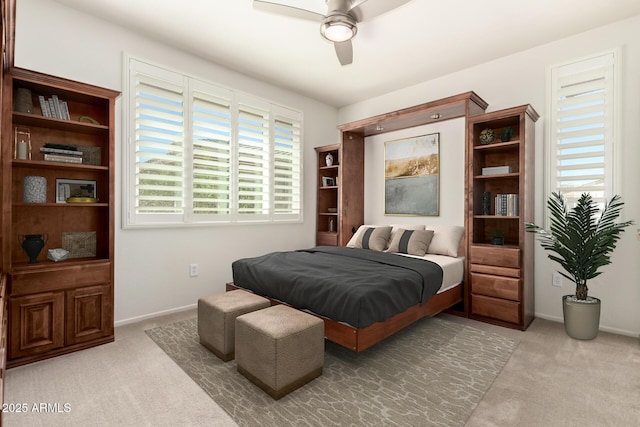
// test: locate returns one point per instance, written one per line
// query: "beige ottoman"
(279, 348)
(217, 319)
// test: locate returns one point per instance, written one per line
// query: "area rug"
(433, 373)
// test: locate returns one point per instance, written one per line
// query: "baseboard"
(156, 314)
(602, 328)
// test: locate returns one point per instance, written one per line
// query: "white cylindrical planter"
(34, 189)
(581, 319)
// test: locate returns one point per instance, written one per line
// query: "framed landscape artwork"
(412, 176)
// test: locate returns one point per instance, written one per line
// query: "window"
(582, 128)
(203, 154)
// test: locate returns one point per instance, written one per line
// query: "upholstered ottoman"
(217, 319)
(279, 348)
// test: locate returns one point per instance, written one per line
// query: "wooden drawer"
(495, 255)
(501, 309)
(495, 286)
(73, 276)
(327, 239)
(495, 271)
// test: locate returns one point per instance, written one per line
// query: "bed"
(366, 291)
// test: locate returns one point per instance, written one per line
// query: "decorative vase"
(32, 245)
(581, 319)
(332, 225)
(329, 160)
(506, 134)
(24, 102)
(34, 189)
(487, 136)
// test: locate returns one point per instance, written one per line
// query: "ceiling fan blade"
(369, 9)
(281, 9)
(344, 50)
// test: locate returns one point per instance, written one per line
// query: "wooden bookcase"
(340, 191)
(58, 307)
(501, 275)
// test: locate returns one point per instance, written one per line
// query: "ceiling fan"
(339, 25)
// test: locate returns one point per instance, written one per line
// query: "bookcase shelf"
(58, 307)
(501, 275)
(346, 196)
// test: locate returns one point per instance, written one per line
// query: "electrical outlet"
(193, 270)
(557, 280)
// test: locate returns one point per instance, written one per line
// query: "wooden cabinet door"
(89, 313)
(37, 323)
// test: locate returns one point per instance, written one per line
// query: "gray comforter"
(355, 286)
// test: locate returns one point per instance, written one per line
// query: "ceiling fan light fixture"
(338, 28)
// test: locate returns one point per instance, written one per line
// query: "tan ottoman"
(279, 348)
(217, 319)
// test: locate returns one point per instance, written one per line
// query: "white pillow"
(446, 239)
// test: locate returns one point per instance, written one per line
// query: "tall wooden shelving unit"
(58, 307)
(501, 276)
(346, 195)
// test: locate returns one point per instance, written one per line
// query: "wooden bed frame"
(360, 339)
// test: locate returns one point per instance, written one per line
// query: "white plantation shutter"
(582, 126)
(202, 154)
(253, 162)
(158, 142)
(287, 172)
(211, 155)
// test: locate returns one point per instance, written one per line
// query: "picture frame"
(78, 190)
(328, 181)
(80, 245)
(412, 176)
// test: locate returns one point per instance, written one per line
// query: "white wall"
(520, 79)
(152, 265)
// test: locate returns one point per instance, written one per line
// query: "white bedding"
(452, 268)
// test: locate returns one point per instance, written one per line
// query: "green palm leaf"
(579, 240)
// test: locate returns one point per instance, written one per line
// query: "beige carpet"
(433, 373)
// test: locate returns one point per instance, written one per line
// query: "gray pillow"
(412, 242)
(374, 238)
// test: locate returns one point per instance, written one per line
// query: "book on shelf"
(61, 158)
(53, 107)
(56, 105)
(65, 110)
(506, 205)
(52, 150)
(44, 106)
(495, 170)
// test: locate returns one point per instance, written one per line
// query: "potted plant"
(581, 243)
(497, 237)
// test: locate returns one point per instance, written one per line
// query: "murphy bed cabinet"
(501, 199)
(58, 307)
(340, 191)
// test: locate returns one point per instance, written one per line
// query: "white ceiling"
(419, 41)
